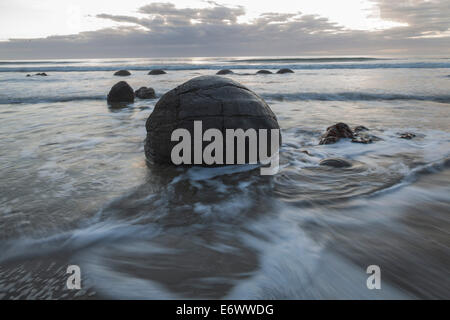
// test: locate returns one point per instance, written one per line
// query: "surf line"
(213, 153)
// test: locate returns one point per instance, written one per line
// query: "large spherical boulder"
(122, 73)
(121, 92)
(285, 70)
(224, 71)
(264, 72)
(145, 93)
(219, 102)
(156, 72)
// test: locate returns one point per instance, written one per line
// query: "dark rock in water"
(42, 74)
(336, 132)
(306, 152)
(329, 140)
(363, 139)
(342, 130)
(145, 93)
(264, 72)
(285, 70)
(120, 93)
(122, 73)
(156, 72)
(224, 71)
(407, 135)
(219, 102)
(335, 163)
(28, 75)
(360, 128)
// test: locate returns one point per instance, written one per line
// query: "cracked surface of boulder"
(219, 102)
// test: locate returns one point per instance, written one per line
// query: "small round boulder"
(122, 73)
(285, 70)
(264, 72)
(156, 72)
(224, 71)
(218, 102)
(145, 93)
(120, 93)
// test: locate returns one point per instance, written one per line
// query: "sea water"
(76, 189)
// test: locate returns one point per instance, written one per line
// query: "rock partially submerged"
(335, 163)
(219, 102)
(120, 93)
(341, 130)
(145, 93)
(407, 135)
(122, 73)
(156, 72)
(42, 74)
(360, 129)
(224, 71)
(285, 70)
(335, 132)
(264, 72)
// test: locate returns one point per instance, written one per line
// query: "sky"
(32, 29)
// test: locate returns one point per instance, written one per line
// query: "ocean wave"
(353, 96)
(26, 62)
(298, 96)
(50, 99)
(317, 60)
(187, 67)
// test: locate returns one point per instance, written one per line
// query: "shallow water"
(76, 188)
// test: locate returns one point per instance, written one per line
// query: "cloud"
(423, 18)
(165, 30)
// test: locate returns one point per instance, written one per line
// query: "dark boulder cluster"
(281, 71)
(122, 93)
(42, 74)
(342, 131)
(335, 132)
(122, 73)
(228, 71)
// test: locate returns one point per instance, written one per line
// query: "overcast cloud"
(165, 30)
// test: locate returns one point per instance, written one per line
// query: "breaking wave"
(277, 65)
